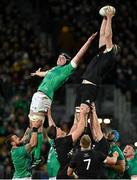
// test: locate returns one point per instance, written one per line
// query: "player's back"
(99, 66)
(86, 163)
(63, 146)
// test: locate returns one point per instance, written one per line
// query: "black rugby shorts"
(86, 93)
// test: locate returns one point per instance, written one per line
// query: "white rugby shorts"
(40, 102)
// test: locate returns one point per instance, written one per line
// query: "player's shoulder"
(18, 150)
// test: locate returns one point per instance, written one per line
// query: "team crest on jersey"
(86, 155)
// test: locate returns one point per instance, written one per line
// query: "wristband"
(34, 129)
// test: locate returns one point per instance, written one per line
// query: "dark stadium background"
(32, 34)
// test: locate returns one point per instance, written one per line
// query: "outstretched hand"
(109, 12)
(93, 36)
(36, 73)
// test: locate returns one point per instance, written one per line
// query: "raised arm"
(50, 119)
(33, 140)
(95, 125)
(75, 123)
(26, 137)
(108, 30)
(102, 40)
(78, 57)
(39, 73)
(84, 110)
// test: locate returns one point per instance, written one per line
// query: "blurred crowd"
(22, 51)
(77, 20)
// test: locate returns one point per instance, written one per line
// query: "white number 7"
(89, 161)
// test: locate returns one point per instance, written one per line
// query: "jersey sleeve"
(68, 69)
(73, 64)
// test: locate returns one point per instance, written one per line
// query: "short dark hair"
(52, 132)
(8, 141)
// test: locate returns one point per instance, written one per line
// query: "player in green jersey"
(131, 162)
(21, 154)
(53, 164)
(53, 79)
(117, 170)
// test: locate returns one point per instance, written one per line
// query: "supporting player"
(21, 154)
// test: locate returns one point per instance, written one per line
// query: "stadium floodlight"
(100, 120)
(107, 121)
(135, 144)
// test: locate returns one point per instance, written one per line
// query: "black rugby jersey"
(63, 146)
(86, 163)
(99, 66)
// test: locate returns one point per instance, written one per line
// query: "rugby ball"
(102, 11)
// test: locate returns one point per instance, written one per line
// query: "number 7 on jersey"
(88, 163)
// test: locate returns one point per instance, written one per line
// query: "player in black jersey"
(64, 142)
(88, 161)
(100, 65)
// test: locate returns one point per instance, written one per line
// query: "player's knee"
(36, 117)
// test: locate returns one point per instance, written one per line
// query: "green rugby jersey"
(53, 164)
(55, 78)
(132, 166)
(112, 174)
(136, 153)
(21, 160)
